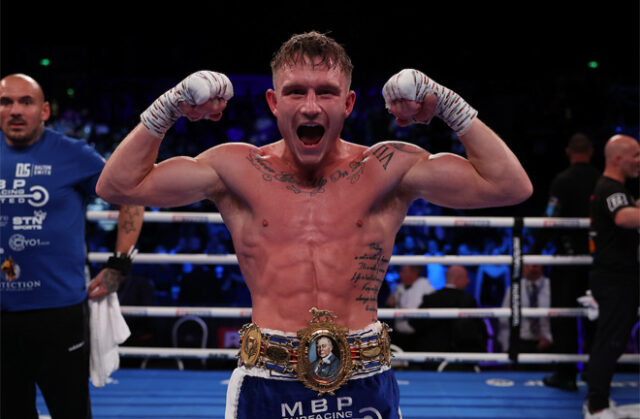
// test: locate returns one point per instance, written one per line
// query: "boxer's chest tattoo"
(351, 174)
(312, 185)
(368, 277)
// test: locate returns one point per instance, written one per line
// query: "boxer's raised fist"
(201, 95)
(410, 96)
(204, 85)
(408, 84)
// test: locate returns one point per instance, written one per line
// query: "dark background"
(523, 65)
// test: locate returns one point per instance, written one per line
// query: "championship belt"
(323, 356)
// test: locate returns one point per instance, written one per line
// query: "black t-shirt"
(569, 196)
(616, 249)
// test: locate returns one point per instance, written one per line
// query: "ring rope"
(444, 221)
(230, 259)
(527, 358)
(383, 313)
(410, 220)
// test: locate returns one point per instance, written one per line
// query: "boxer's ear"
(272, 101)
(351, 100)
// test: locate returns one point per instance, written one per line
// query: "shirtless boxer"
(313, 217)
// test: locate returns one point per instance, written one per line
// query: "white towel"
(108, 329)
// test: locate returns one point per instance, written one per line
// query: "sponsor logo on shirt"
(10, 270)
(36, 196)
(29, 222)
(10, 275)
(18, 242)
(27, 170)
(617, 200)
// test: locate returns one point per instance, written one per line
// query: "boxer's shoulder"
(228, 155)
(392, 154)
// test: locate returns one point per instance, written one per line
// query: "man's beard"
(24, 138)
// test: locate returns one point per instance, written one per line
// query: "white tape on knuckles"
(410, 84)
(195, 89)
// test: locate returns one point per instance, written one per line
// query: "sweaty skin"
(328, 240)
(314, 220)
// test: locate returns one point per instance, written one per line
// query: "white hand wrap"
(196, 89)
(414, 85)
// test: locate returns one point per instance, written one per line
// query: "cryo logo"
(18, 242)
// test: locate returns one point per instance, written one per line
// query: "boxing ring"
(495, 393)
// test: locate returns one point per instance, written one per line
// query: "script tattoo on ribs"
(311, 186)
(372, 267)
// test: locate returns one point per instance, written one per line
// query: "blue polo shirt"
(44, 190)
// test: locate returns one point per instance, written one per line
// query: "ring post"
(516, 305)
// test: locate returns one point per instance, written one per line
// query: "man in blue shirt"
(45, 182)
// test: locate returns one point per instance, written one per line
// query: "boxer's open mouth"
(310, 134)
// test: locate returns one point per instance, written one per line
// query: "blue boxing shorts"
(259, 393)
(276, 393)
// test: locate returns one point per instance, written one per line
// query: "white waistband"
(370, 328)
(275, 375)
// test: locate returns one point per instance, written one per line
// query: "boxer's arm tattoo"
(384, 155)
(368, 277)
(385, 152)
(130, 213)
(406, 148)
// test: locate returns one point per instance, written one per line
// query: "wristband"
(121, 262)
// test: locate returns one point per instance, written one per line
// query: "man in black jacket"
(451, 335)
(569, 197)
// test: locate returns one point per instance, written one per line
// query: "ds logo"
(23, 169)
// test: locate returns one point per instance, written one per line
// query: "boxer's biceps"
(447, 179)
